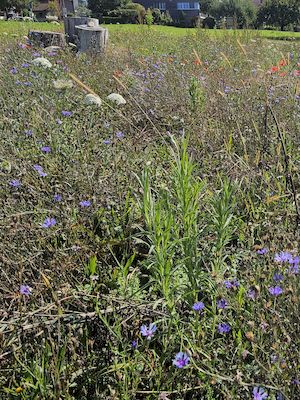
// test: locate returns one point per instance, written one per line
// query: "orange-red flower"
(273, 69)
(282, 62)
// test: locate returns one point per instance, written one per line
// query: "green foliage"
(83, 11)
(242, 11)
(130, 13)
(149, 17)
(197, 95)
(18, 4)
(279, 13)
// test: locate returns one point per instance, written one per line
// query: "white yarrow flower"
(92, 99)
(61, 84)
(116, 98)
(42, 62)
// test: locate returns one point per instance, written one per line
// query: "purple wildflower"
(27, 84)
(49, 222)
(251, 294)
(85, 203)
(36, 54)
(283, 257)
(278, 277)
(119, 135)
(15, 183)
(275, 290)
(13, 70)
(231, 284)
(46, 149)
(199, 306)
(295, 381)
(224, 328)
(106, 141)
(59, 121)
(221, 304)
(25, 65)
(148, 331)
(28, 132)
(57, 197)
(65, 113)
(259, 394)
(25, 290)
(134, 344)
(294, 269)
(262, 251)
(39, 169)
(181, 360)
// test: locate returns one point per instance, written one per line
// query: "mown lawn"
(22, 28)
(150, 250)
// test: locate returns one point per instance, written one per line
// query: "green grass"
(22, 28)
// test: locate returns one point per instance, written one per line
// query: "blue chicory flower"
(181, 360)
(13, 70)
(65, 113)
(49, 222)
(148, 331)
(199, 306)
(15, 183)
(224, 328)
(275, 290)
(120, 135)
(278, 276)
(25, 290)
(46, 149)
(262, 251)
(283, 257)
(222, 304)
(259, 394)
(57, 197)
(85, 203)
(39, 169)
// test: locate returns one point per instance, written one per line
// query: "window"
(160, 5)
(194, 5)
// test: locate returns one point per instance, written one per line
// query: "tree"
(19, 5)
(279, 13)
(103, 7)
(205, 6)
(242, 11)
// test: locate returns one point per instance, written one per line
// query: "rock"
(47, 38)
(62, 84)
(116, 98)
(92, 99)
(42, 62)
(51, 18)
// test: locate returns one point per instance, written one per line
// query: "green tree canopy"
(279, 13)
(18, 4)
(243, 11)
(103, 7)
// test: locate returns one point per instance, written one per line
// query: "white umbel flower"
(116, 98)
(62, 84)
(92, 99)
(42, 62)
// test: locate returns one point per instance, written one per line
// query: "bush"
(83, 11)
(131, 14)
(209, 23)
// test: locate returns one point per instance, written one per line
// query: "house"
(182, 12)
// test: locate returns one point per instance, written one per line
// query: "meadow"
(149, 250)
